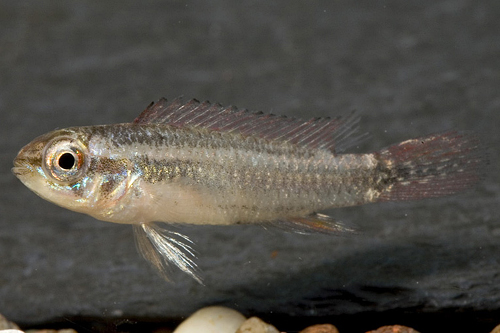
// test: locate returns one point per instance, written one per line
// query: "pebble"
(5, 324)
(212, 319)
(218, 319)
(9, 327)
(394, 329)
(64, 330)
(321, 328)
(256, 325)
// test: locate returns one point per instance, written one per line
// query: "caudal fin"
(431, 166)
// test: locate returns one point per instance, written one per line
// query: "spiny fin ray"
(323, 133)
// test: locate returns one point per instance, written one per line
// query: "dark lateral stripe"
(154, 171)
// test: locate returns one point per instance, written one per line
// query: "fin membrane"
(432, 166)
(162, 247)
(314, 224)
(322, 133)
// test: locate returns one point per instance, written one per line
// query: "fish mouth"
(20, 167)
(18, 162)
(19, 171)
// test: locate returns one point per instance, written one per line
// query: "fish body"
(201, 163)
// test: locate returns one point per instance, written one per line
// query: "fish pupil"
(66, 161)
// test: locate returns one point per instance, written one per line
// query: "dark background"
(408, 67)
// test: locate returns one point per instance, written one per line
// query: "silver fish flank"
(202, 163)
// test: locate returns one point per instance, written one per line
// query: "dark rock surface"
(410, 68)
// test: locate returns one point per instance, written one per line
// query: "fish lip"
(18, 171)
(20, 167)
(17, 163)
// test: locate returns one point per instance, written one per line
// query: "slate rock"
(408, 70)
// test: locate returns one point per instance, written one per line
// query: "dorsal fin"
(323, 133)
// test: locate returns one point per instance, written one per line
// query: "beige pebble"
(5, 324)
(321, 328)
(64, 330)
(256, 325)
(496, 329)
(212, 319)
(394, 329)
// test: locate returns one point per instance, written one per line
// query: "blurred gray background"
(409, 68)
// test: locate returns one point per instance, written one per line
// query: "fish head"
(67, 167)
(54, 166)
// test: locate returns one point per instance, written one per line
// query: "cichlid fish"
(202, 163)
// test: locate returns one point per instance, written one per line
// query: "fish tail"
(431, 166)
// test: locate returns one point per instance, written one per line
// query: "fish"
(202, 163)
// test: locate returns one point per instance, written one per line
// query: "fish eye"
(65, 160)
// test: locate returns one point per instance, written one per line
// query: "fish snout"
(19, 160)
(20, 166)
(26, 159)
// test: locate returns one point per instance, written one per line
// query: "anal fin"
(314, 223)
